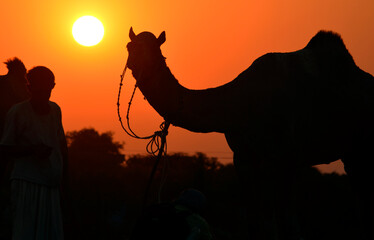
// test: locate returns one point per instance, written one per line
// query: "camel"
(13, 89)
(285, 112)
(12, 86)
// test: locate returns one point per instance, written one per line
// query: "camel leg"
(268, 190)
(359, 168)
(260, 207)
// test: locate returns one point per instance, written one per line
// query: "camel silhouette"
(285, 112)
(13, 87)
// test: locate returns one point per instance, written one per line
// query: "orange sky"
(208, 44)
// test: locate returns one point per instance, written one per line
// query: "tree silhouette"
(108, 190)
(94, 150)
(95, 179)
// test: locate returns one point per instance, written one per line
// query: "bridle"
(156, 146)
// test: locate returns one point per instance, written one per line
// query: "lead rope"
(157, 145)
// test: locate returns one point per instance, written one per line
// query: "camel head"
(145, 55)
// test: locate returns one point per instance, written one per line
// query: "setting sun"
(88, 31)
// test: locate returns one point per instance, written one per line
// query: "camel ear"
(132, 35)
(162, 38)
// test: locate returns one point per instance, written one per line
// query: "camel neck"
(206, 110)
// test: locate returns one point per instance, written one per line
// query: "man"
(34, 140)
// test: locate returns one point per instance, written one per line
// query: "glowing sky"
(208, 43)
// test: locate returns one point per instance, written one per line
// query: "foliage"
(91, 151)
(88, 140)
(108, 191)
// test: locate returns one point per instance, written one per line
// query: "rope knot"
(159, 133)
(157, 144)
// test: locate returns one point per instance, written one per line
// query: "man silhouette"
(34, 140)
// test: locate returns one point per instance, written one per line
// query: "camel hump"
(326, 39)
(15, 65)
(330, 44)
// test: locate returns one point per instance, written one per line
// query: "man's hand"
(42, 153)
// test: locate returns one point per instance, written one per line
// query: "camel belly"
(303, 137)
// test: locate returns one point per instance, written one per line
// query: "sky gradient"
(207, 44)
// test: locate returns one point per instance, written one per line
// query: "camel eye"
(130, 46)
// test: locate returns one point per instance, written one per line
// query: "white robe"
(35, 196)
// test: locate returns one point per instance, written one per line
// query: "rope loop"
(155, 144)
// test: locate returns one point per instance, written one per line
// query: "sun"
(88, 31)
